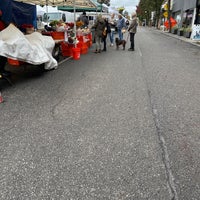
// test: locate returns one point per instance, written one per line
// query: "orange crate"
(14, 62)
(66, 49)
(58, 35)
(89, 43)
(84, 50)
(67, 52)
(66, 46)
(80, 44)
(80, 38)
(90, 36)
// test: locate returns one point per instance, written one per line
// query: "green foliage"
(53, 23)
(107, 2)
(188, 29)
(145, 8)
(175, 27)
(181, 29)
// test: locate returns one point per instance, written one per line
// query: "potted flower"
(187, 32)
(174, 29)
(180, 31)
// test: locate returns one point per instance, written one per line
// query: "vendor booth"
(36, 48)
(18, 41)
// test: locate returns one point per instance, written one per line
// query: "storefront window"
(187, 20)
(197, 18)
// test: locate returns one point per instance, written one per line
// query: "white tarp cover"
(35, 48)
(77, 3)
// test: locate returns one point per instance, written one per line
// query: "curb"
(188, 40)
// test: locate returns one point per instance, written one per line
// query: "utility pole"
(169, 15)
(156, 14)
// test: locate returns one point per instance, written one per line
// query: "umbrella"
(172, 21)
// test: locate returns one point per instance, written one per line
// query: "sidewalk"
(188, 40)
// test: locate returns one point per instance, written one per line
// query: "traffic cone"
(1, 98)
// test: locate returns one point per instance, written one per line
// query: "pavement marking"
(140, 52)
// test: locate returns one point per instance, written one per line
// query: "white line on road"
(140, 52)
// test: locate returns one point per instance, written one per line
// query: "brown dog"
(120, 42)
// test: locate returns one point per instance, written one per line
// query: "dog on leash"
(119, 42)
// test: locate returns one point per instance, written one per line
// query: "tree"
(107, 2)
(146, 7)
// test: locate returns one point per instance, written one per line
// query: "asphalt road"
(118, 125)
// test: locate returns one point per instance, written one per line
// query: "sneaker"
(112, 45)
(130, 49)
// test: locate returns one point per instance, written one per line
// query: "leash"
(127, 36)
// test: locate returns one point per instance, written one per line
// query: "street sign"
(165, 14)
(166, 6)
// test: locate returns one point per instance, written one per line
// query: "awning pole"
(74, 22)
(47, 12)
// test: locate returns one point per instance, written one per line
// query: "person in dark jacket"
(84, 19)
(106, 31)
(132, 29)
(99, 26)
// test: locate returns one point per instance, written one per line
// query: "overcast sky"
(129, 5)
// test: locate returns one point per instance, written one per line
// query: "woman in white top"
(112, 23)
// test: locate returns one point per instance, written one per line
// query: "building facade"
(187, 15)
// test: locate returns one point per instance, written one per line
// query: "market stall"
(68, 36)
(62, 38)
(34, 48)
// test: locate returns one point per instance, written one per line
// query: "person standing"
(112, 23)
(132, 29)
(105, 33)
(99, 27)
(84, 19)
(120, 25)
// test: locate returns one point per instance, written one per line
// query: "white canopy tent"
(78, 3)
(74, 3)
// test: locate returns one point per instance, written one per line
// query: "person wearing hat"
(132, 29)
(3, 60)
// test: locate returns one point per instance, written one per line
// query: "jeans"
(132, 36)
(111, 34)
(98, 42)
(120, 34)
(104, 43)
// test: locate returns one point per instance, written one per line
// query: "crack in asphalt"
(162, 143)
(165, 154)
